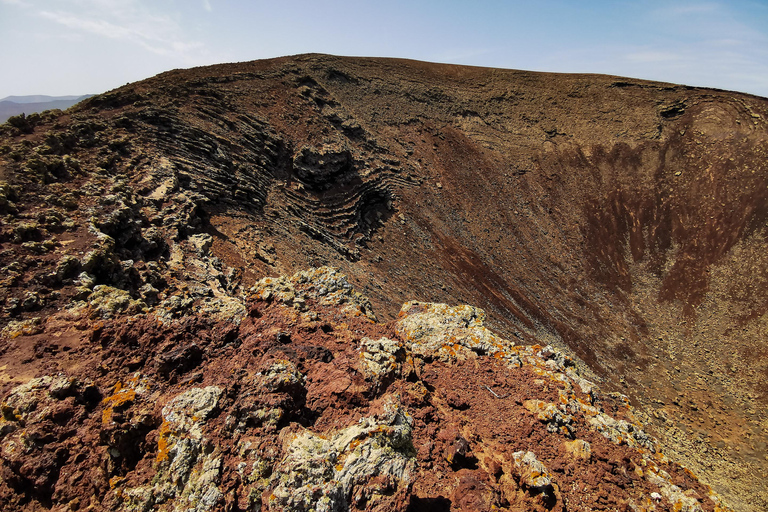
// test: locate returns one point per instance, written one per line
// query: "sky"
(68, 47)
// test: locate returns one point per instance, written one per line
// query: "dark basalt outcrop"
(619, 220)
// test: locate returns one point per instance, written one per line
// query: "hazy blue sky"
(60, 47)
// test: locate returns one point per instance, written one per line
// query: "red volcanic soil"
(102, 434)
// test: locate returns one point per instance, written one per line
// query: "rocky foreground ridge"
(303, 401)
(620, 221)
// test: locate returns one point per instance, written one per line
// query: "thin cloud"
(653, 56)
(728, 43)
(694, 8)
(708, 22)
(130, 22)
(98, 27)
(207, 5)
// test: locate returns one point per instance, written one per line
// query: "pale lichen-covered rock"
(618, 431)
(370, 463)
(549, 364)
(68, 267)
(26, 403)
(223, 307)
(124, 395)
(533, 474)
(444, 332)
(202, 243)
(439, 330)
(25, 231)
(281, 375)
(621, 431)
(254, 470)
(326, 286)
(189, 466)
(680, 500)
(555, 419)
(8, 195)
(107, 302)
(188, 411)
(216, 305)
(253, 406)
(380, 358)
(26, 327)
(205, 285)
(30, 413)
(578, 448)
(102, 258)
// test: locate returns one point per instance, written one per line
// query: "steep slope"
(621, 220)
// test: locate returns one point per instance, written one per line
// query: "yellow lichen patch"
(116, 481)
(133, 381)
(535, 406)
(29, 327)
(578, 448)
(9, 413)
(120, 398)
(450, 349)
(162, 441)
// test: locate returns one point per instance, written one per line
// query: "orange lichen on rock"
(121, 398)
(164, 432)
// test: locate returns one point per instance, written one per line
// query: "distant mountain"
(40, 98)
(15, 105)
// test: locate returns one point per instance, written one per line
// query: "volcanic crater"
(615, 223)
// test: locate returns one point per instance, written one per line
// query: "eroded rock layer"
(618, 220)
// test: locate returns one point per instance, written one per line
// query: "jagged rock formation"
(620, 221)
(285, 410)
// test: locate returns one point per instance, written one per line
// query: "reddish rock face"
(285, 411)
(618, 220)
